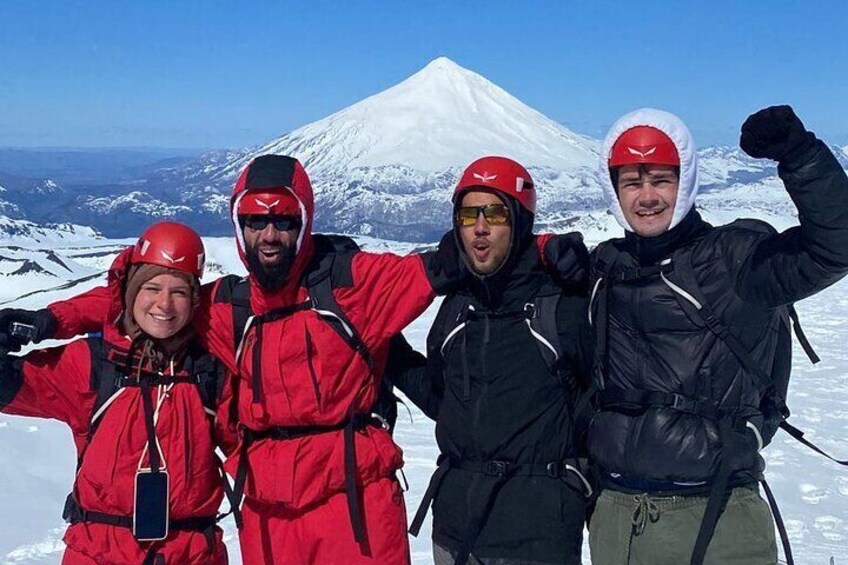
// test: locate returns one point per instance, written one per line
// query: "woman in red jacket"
(141, 402)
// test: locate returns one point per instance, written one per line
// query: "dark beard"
(270, 278)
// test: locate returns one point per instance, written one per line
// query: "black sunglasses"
(281, 223)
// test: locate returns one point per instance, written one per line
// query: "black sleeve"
(407, 370)
(805, 259)
(576, 365)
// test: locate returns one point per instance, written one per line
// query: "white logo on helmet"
(168, 257)
(484, 177)
(638, 153)
(266, 205)
(145, 245)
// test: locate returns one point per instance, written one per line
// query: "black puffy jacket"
(745, 271)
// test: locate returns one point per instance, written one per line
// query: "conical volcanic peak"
(441, 117)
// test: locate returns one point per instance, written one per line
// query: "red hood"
(281, 173)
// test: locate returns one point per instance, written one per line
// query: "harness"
(677, 274)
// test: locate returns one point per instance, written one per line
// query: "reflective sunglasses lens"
(467, 215)
(497, 214)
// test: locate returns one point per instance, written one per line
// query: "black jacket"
(494, 398)
(650, 341)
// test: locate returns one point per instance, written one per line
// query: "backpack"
(679, 276)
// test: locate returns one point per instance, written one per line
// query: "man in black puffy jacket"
(691, 325)
(506, 362)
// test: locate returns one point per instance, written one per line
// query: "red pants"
(323, 535)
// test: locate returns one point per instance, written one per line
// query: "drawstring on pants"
(646, 509)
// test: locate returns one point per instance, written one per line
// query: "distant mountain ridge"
(384, 166)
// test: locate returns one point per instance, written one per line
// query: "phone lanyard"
(150, 417)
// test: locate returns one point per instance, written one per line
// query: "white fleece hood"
(677, 131)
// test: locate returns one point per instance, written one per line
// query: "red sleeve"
(81, 314)
(390, 290)
(541, 240)
(56, 383)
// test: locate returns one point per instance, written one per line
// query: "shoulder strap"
(208, 374)
(236, 291)
(542, 322)
(691, 298)
(103, 380)
(331, 270)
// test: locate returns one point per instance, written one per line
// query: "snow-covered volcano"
(443, 116)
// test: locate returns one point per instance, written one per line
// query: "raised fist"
(775, 133)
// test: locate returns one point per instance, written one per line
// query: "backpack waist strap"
(74, 514)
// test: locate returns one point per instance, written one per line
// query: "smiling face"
(270, 251)
(486, 245)
(163, 306)
(647, 195)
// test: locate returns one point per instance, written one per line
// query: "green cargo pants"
(628, 529)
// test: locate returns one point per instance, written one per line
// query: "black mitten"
(445, 268)
(775, 133)
(43, 324)
(567, 259)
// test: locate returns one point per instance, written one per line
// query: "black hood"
(492, 289)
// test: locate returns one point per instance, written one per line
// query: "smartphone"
(150, 513)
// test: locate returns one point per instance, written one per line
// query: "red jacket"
(57, 383)
(309, 375)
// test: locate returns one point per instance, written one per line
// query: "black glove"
(43, 322)
(445, 268)
(6, 347)
(567, 259)
(775, 133)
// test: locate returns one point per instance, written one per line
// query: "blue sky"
(231, 74)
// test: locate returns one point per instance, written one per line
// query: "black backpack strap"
(778, 520)
(235, 290)
(208, 374)
(802, 337)
(678, 275)
(799, 436)
(105, 379)
(541, 318)
(332, 270)
(444, 464)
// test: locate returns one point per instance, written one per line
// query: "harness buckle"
(554, 469)
(530, 310)
(682, 403)
(495, 468)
